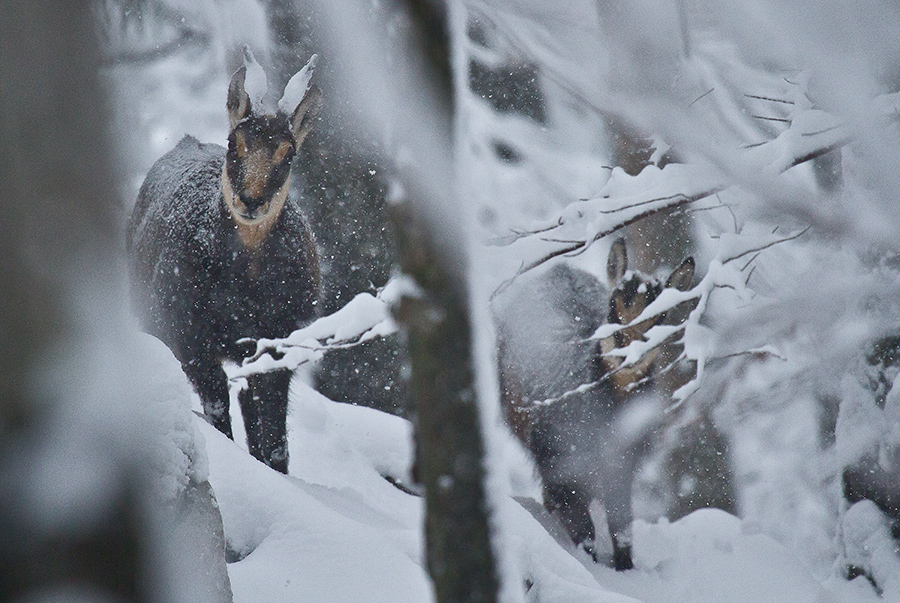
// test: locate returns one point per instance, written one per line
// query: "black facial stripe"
(266, 133)
(273, 184)
(275, 180)
(630, 296)
(619, 339)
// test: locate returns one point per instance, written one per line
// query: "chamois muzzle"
(252, 204)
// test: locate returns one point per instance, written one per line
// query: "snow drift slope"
(335, 530)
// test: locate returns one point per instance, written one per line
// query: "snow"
(787, 326)
(365, 317)
(297, 87)
(713, 556)
(868, 545)
(336, 530)
(255, 82)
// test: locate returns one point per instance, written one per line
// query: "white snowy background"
(779, 329)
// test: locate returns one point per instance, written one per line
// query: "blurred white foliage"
(797, 282)
(740, 91)
(364, 317)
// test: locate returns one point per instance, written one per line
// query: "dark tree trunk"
(868, 480)
(450, 448)
(449, 440)
(58, 207)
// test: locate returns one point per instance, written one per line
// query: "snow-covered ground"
(336, 530)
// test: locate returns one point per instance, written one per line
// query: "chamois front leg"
(572, 504)
(264, 408)
(617, 502)
(211, 384)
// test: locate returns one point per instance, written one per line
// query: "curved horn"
(297, 87)
(256, 83)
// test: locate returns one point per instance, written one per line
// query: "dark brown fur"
(219, 254)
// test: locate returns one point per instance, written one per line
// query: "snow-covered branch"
(626, 199)
(698, 340)
(365, 317)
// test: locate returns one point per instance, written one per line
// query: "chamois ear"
(238, 103)
(682, 276)
(617, 263)
(301, 120)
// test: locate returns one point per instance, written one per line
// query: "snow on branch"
(365, 317)
(624, 200)
(812, 133)
(627, 199)
(697, 340)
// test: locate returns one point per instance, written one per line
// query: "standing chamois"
(219, 254)
(586, 418)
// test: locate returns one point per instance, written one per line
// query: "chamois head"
(632, 292)
(262, 144)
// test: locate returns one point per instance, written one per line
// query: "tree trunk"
(450, 446)
(58, 218)
(73, 499)
(449, 440)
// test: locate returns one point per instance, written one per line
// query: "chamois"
(219, 254)
(586, 418)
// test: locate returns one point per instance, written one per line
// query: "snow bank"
(336, 530)
(713, 556)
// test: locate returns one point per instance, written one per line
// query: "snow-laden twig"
(624, 200)
(698, 340)
(365, 317)
(627, 199)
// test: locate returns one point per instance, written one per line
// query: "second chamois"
(586, 417)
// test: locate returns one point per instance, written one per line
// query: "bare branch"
(700, 97)
(365, 317)
(780, 119)
(820, 151)
(516, 234)
(772, 100)
(639, 204)
(576, 247)
(767, 245)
